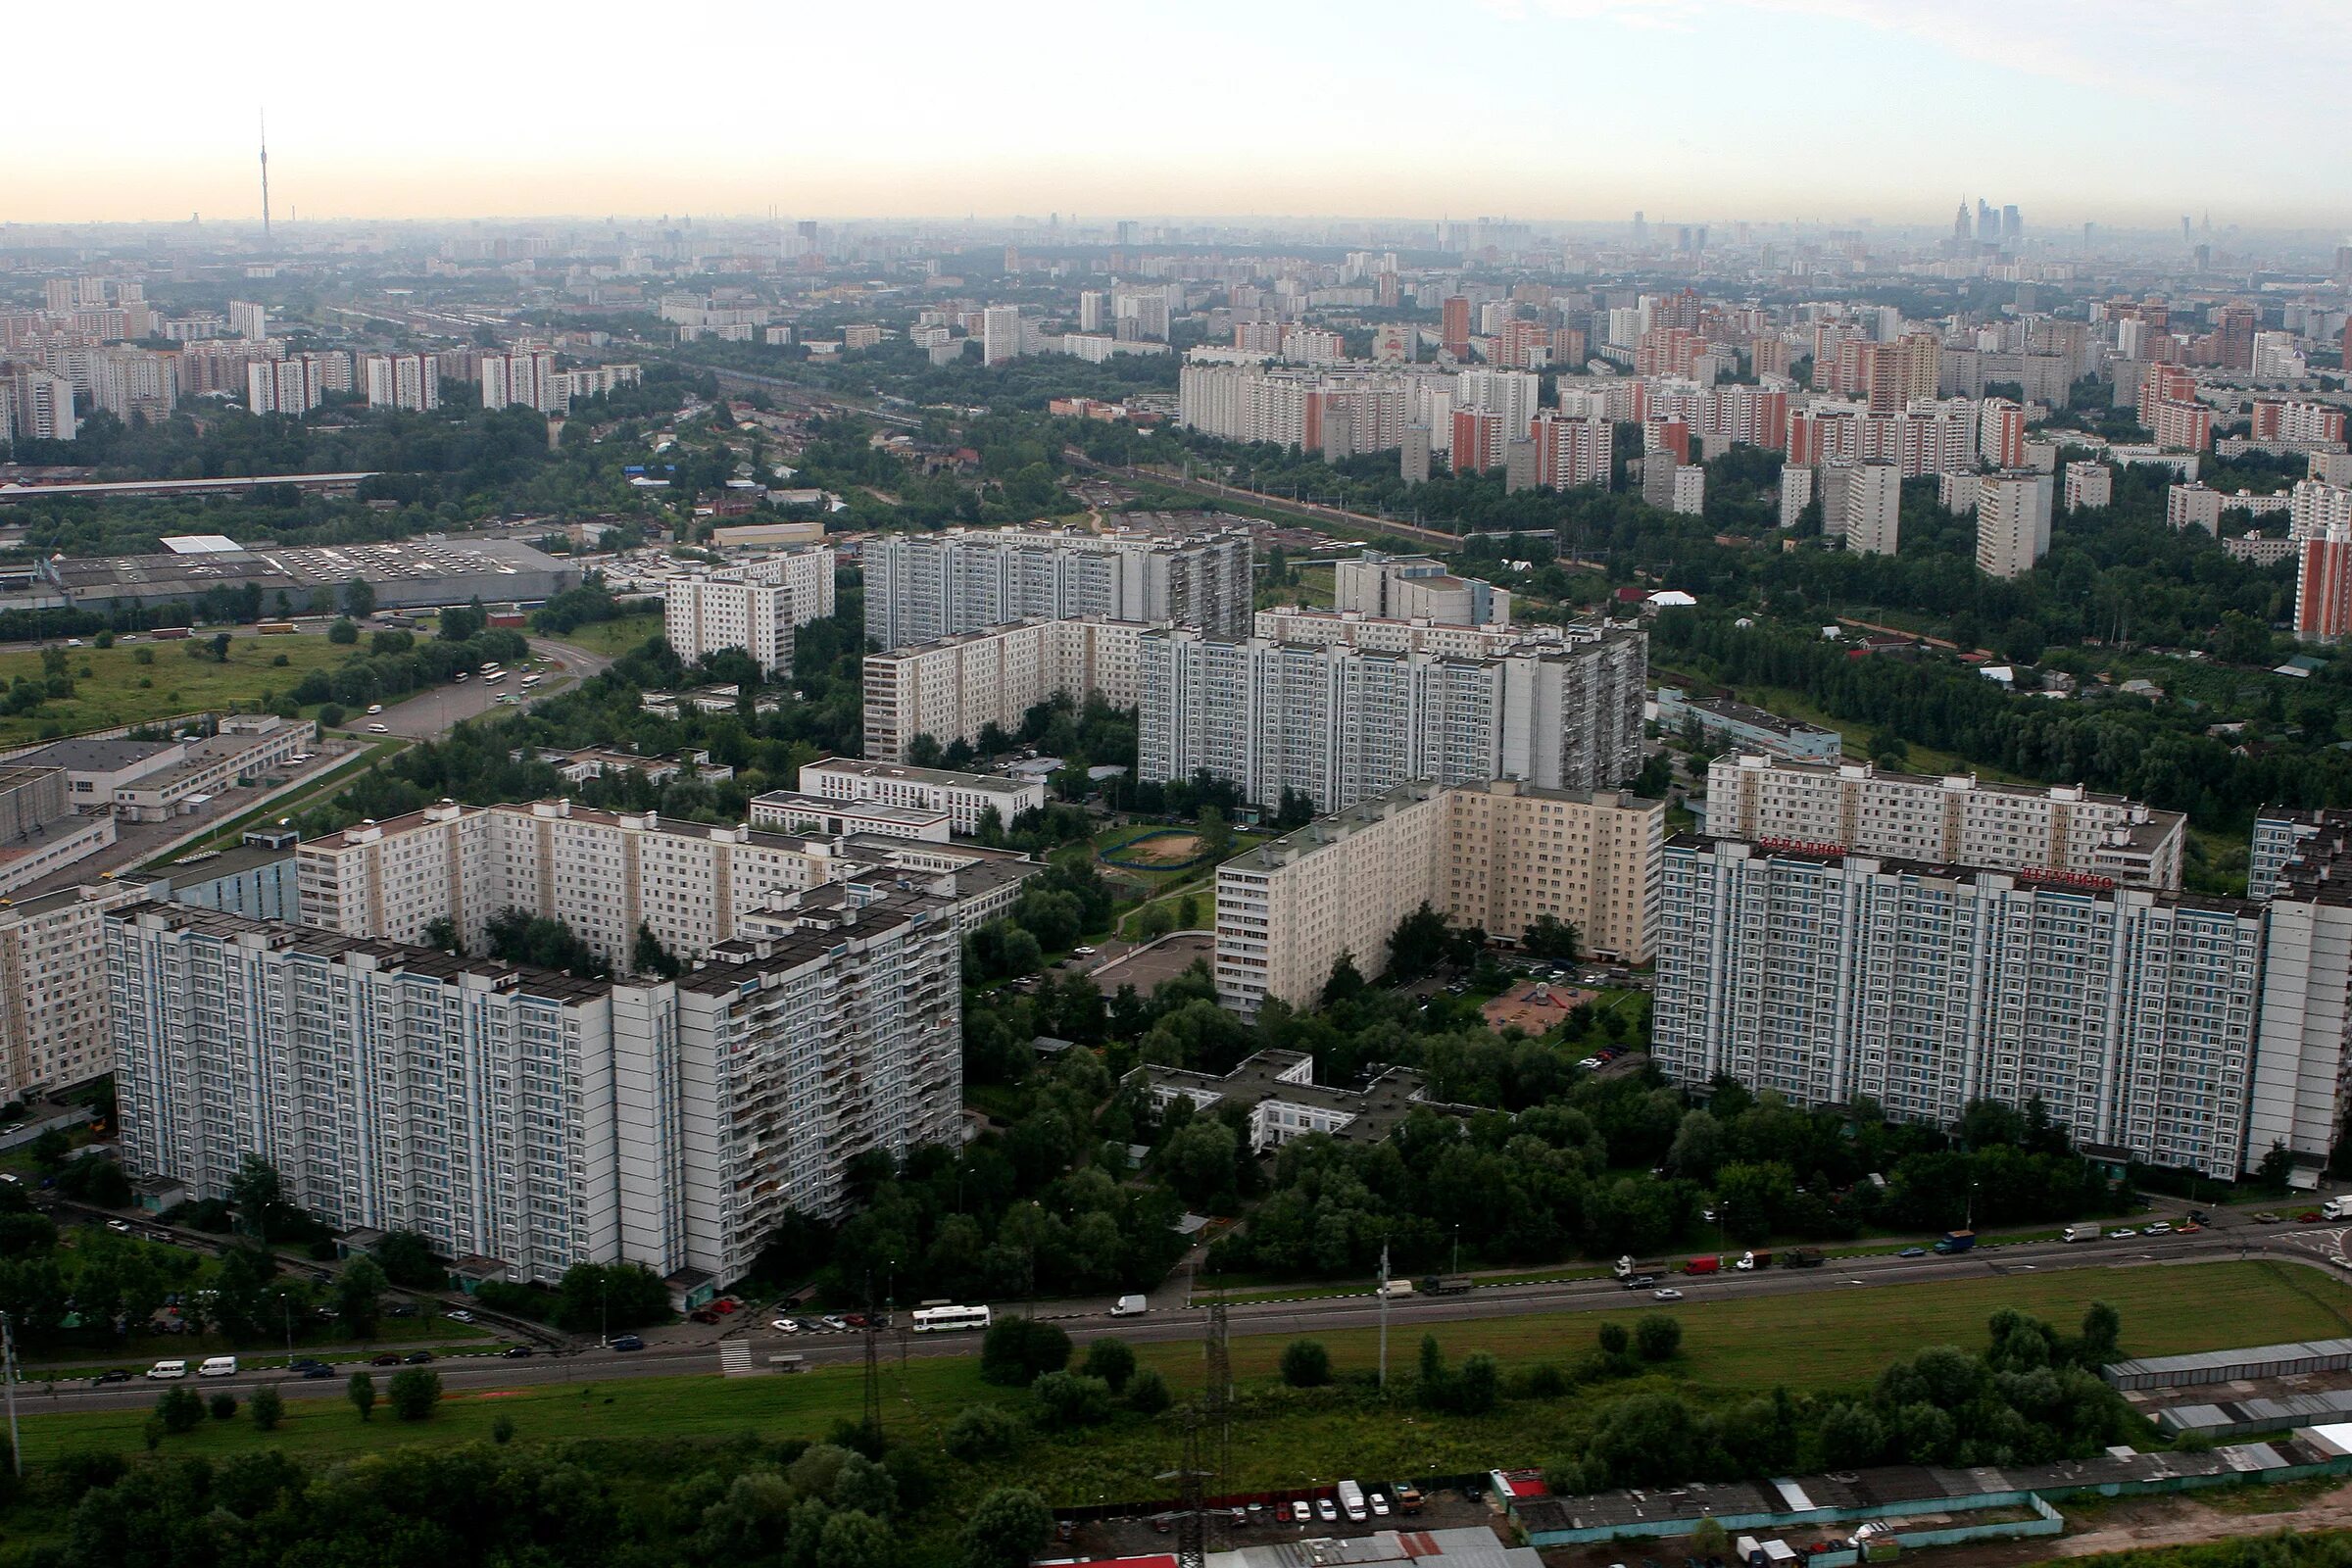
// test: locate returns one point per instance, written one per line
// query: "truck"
(1351, 1503)
(167, 634)
(2080, 1233)
(1445, 1285)
(275, 628)
(1801, 1257)
(1956, 1242)
(1704, 1265)
(1628, 1266)
(1130, 1306)
(2336, 1208)
(1749, 1261)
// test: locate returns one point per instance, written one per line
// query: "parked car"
(2121, 1233)
(627, 1342)
(836, 1323)
(2189, 1227)
(1327, 1511)
(1590, 1062)
(376, 708)
(1912, 1251)
(318, 1370)
(379, 729)
(1082, 953)
(724, 1305)
(458, 1314)
(854, 1320)
(786, 1324)
(2160, 1228)
(516, 1352)
(2266, 1217)
(119, 1226)
(115, 1375)
(701, 1314)
(1302, 1511)
(416, 1357)
(388, 1358)
(2309, 1216)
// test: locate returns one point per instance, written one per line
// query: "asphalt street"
(432, 712)
(2318, 1246)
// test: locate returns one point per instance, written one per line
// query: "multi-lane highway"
(2317, 1247)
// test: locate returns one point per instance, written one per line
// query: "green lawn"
(610, 638)
(1819, 1339)
(112, 687)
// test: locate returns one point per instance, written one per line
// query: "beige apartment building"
(1953, 820)
(605, 874)
(955, 688)
(53, 999)
(1499, 856)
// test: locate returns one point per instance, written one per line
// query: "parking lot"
(1147, 968)
(1267, 1519)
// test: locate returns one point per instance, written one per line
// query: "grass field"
(610, 638)
(112, 687)
(1811, 1342)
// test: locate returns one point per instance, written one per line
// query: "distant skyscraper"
(2013, 225)
(1960, 229)
(999, 333)
(1989, 222)
(1641, 230)
(1457, 324)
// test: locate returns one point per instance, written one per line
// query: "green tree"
(49, 1150)
(180, 1410)
(1147, 1393)
(1477, 1386)
(414, 1391)
(223, 1405)
(1306, 1364)
(982, 1431)
(649, 956)
(361, 1392)
(1658, 1337)
(358, 598)
(1071, 1400)
(1551, 937)
(1111, 1360)
(1216, 833)
(267, 1407)
(852, 1539)
(1614, 1340)
(359, 1295)
(1017, 1350)
(343, 633)
(221, 644)
(1005, 1528)
(408, 1260)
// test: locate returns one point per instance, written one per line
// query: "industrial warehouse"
(413, 575)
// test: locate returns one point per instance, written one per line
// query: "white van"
(2081, 1232)
(2336, 1208)
(218, 1366)
(1130, 1306)
(168, 1369)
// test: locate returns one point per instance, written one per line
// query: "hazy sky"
(2122, 111)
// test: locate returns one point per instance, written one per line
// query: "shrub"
(1658, 1337)
(1147, 1393)
(330, 715)
(267, 1407)
(982, 1431)
(1477, 1386)
(1018, 1349)
(180, 1410)
(1306, 1364)
(502, 1431)
(1545, 1382)
(224, 1406)
(1614, 1340)
(413, 1392)
(1111, 1360)
(1071, 1400)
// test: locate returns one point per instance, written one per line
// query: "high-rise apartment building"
(999, 335)
(2297, 423)
(1494, 855)
(525, 378)
(1336, 722)
(754, 607)
(536, 1118)
(411, 381)
(1829, 975)
(290, 386)
(1414, 588)
(1957, 819)
(1862, 504)
(1455, 325)
(53, 1000)
(957, 688)
(2319, 525)
(922, 587)
(2088, 484)
(2013, 521)
(248, 320)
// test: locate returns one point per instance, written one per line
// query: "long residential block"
(1957, 819)
(1336, 724)
(1828, 976)
(965, 797)
(957, 687)
(532, 1118)
(1496, 854)
(922, 587)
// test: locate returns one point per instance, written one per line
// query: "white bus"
(947, 1320)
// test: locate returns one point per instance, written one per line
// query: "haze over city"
(1819, 110)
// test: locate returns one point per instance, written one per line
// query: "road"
(2313, 1246)
(436, 711)
(1312, 512)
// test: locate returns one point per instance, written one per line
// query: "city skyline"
(1772, 118)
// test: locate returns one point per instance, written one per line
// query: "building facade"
(922, 587)
(964, 798)
(1955, 819)
(1336, 722)
(754, 607)
(1413, 588)
(956, 688)
(54, 1019)
(2128, 1012)
(2013, 521)
(535, 1118)
(1494, 855)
